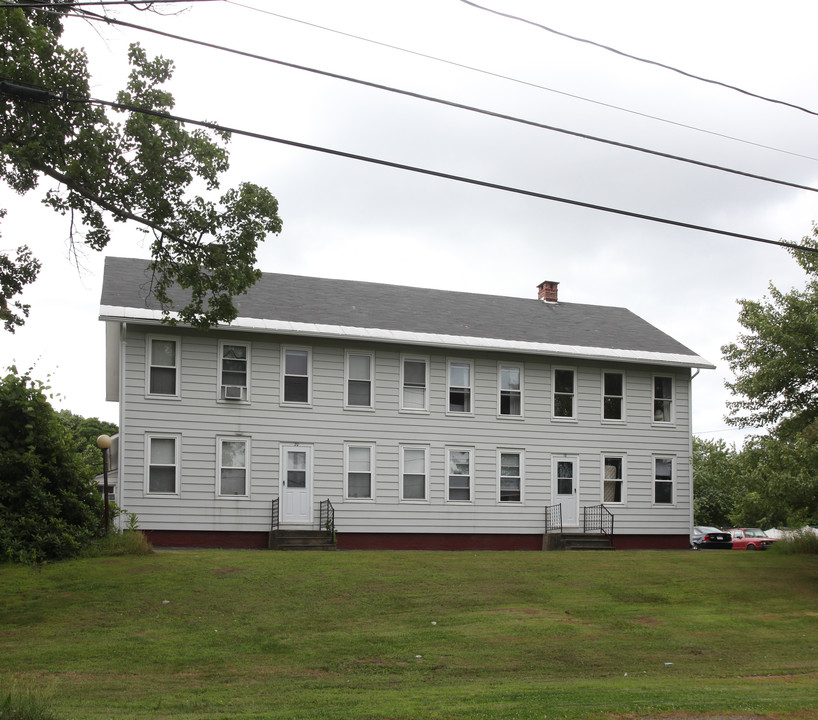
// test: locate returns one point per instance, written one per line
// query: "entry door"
(565, 486)
(296, 484)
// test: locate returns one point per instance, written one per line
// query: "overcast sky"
(348, 219)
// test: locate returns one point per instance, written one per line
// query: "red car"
(751, 539)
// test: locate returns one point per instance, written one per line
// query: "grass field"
(255, 634)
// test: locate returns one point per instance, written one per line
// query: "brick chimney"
(547, 291)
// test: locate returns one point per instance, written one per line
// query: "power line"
(21, 92)
(639, 59)
(448, 103)
(80, 3)
(521, 82)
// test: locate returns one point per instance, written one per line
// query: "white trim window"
(510, 390)
(414, 383)
(564, 382)
(295, 375)
(459, 466)
(359, 472)
(663, 398)
(613, 479)
(613, 396)
(163, 366)
(510, 476)
(663, 484)
(233, 462)
(162, 464)
(359, 390)
(234, 371)
(414, 473)
(460, 386)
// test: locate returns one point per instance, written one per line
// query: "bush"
(129, 542)
(804, 542)
(49, 505)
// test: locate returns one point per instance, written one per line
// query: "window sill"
(414, 411)
(359, 408)
(517, 418)
(164, 398)
(568, 420)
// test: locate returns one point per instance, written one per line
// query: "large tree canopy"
(137, 168)
(775, 361)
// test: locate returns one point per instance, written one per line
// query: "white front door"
(296, 484)
(565, 474)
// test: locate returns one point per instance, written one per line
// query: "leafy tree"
(775, 362)
(139, 170)
(716, 482)
(49, 506)
(780, 479)
(85, 432)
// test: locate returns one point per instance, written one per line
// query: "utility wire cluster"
(41, 95)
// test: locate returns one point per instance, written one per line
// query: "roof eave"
(460, 342)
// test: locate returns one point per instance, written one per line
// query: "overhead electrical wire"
(448, 103)
(82, 3)
(642, 60)
(24, 93)
(527, 83)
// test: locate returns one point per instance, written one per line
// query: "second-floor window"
(460, 387)
(511, 390)
(163, 366)
(414, 383)
(613, 396)
(234, 369)
(359, 380)
(564, 393)
(662, 399)
(296, 376)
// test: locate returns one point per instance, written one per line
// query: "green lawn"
(257, 634)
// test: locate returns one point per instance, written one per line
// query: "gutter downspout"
(690, 450)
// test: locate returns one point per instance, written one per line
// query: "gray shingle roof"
(310, 301)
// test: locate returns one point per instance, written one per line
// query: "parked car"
(710, 538)
(751, 539)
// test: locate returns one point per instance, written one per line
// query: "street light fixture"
(104, 444)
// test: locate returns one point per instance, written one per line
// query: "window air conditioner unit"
(232, 392)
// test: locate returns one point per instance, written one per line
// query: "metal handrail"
(326, 516)
(597, 518)
(274, 520)
(553, 519)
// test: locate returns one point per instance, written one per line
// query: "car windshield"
(754, 532)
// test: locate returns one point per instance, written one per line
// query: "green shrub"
(803, 542)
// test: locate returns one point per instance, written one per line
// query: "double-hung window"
(359, 380)
(663, 481)
(414, 383)
(460, 386)
(510, 464)
(613, 396)
(613, 479)
(235, 362)
(459, 475)
(233, 456)
(359, 473)
(296, 376)
(162, 459)
(163, 366)
(565, 390)
(662, 399)
(510, 400)
(414, 472)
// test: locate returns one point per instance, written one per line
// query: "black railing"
(326, 516)
(597, 518)
(274, 521)
(553, 519)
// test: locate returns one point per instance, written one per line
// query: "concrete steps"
(582, 541)
(301, 540)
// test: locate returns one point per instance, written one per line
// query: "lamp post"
(104, 444)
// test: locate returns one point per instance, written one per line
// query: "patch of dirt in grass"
(226, 570)
(651, 621)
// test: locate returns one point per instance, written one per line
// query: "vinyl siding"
(199, 418)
